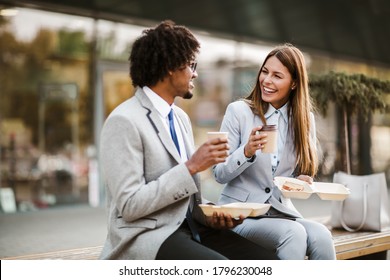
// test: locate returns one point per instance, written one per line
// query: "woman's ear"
(293, 85)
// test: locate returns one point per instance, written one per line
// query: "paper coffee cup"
(272, 139)
(217, 134)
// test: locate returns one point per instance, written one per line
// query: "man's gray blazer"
(148, 186)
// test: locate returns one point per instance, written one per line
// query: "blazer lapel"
(190, 149)
(156, 122)
(186, 136)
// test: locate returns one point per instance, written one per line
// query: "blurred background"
(63, 68)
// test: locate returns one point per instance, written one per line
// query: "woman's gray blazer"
(253, 181)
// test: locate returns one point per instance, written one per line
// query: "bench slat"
(89, 253)
(348, 245)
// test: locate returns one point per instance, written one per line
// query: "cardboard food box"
(326, 191)
(246, 209)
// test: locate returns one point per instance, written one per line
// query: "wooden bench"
(88, 253)
(356, 245)
(363, 245)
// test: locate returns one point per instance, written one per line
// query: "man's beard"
(188, 95)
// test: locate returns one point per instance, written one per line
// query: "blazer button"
(238, 162)
(267, 190)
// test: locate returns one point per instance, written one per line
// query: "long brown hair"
(300, 106)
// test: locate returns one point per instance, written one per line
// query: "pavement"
(80, 225)
(51, 229)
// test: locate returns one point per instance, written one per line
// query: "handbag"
(367, 206)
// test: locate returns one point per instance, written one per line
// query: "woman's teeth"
(269, 90)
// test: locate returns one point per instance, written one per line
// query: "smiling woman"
(280, 97)
(276, 82)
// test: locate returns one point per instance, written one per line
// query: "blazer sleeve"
(237, 115)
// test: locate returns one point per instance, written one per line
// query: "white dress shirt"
(163, 110)
(278, 117)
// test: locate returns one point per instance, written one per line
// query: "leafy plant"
(354, 93)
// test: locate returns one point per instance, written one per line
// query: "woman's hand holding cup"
(258, 140)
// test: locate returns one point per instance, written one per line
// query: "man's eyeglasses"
(193, 66)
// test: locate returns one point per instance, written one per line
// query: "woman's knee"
(297, 232)
(293, 243)
(323, 237)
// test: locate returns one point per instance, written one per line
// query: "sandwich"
(290, 186)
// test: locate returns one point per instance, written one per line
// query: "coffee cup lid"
(269, 127)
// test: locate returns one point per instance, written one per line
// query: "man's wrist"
(190, 168)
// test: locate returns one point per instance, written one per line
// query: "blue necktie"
(173, 131)
(190, 221)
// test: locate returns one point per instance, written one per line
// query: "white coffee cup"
(217, 134)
